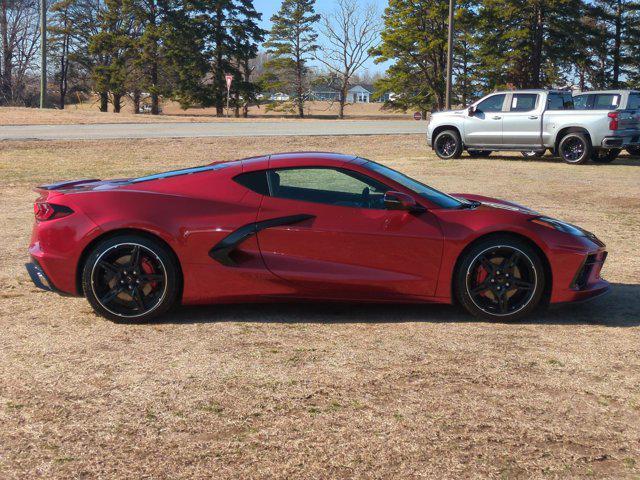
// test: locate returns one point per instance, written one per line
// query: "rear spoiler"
(67, 184)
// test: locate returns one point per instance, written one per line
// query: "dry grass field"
(88, 113)
(314, 390)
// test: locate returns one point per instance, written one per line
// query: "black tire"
(575, 148)
(605, 155)
(448, 145)
(513, 283)
(634, 150)
(533, 153)
(130, 278)
(479, 153)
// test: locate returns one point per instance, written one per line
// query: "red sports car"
(302, 226)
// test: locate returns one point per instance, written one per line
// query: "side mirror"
(401, 201)
(472, 111)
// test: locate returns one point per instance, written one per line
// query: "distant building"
(279, 97)
(357, 93)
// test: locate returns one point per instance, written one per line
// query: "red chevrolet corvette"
(302, 226)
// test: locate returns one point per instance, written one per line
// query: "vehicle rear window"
(606, 101)
(580, 102)
(634, 101)
(523, 102)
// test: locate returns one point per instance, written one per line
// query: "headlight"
(560, 226)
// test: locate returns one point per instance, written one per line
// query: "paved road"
(212, 129)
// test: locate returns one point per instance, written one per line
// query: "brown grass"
(322, 391)
(88, 113)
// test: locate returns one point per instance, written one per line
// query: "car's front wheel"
(500, 278)
(130, 278)
(448, 144)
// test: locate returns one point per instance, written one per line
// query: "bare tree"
(19, 35)
(349, 32)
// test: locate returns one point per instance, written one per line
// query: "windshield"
(441, 199)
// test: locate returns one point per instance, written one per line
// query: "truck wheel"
(575, 148)
(448, 145)
(533, 153)
(479, 153)
(605, 155)
(634, 151)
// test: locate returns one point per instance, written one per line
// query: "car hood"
(495, 203)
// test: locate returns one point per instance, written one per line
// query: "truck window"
(580, 102)
(634, 101)
(523, 102)
(555, 102)
(606, 101)
(491, 104)
(567, 99)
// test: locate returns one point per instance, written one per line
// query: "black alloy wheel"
(130, 279)
(500, 280)
(448, 145)
(575, 148)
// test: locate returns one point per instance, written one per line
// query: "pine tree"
(292, 41)
(414, 38)
(527, 43)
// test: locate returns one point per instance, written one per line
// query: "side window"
(580, 102)
(606, 101)
(567, 100)
(256, 181)
(491, 104)
(555, 102)
(634, 101)
(523, 102)
(327, 185)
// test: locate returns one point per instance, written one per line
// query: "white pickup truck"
(534, 121)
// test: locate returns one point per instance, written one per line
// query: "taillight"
(613, 123)
(48, 211)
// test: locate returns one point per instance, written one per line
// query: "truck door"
(522, 122)
(484, 127)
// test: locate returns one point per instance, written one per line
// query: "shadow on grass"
(621, 308)
(622, 160)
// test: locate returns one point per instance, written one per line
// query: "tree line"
(182, 49)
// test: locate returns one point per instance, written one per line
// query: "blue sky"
(269, 7)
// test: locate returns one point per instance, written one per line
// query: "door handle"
(497, 118)
(533, 117)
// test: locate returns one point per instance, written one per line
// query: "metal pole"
(43, 53)
(228, 89)
(452, 6)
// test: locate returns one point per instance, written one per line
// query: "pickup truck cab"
(533, 121)
(610, 100)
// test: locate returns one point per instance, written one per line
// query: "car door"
(484, 127)
(522, 122)
(338, 239)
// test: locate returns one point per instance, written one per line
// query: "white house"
(359, 94)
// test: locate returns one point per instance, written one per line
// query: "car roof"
(296, 159)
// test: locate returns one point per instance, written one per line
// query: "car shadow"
(621, 308)
(622, 160)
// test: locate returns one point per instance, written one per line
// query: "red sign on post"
(229, 78)
(417, 116)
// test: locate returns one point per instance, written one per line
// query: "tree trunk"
(104, 101)
(136, 101)
(236, 107)
(155, 104)
(117, 102)
(343, 99)
(299, 89)
(7, 54)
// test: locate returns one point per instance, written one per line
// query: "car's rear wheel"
(605, 155)
(575, 148)
(448, 144)
(501, 278)
(479, 153)
(130, 278)
(634, 151)
(533, 153)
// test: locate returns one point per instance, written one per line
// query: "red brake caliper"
(147, 268)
